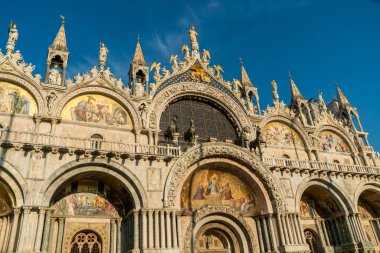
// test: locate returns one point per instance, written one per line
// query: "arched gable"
(29, 87)
(292, 125)
(174, 92)
(363, 186)
(341, 133)
(112, 96)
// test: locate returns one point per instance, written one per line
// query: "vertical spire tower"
(249, 91)
(139, 72)
(57, 58)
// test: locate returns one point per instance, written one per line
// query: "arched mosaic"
(16, 100)
(217, 188)
(97, 109)
(331, 142)
(89, 198)
(5, 200)
(281, 135)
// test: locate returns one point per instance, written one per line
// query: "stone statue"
(206, 56)
(139, 89)
(17, 56)
(12, 38)
(94, 72)
(54, 76)
(37, 78)
(78, 78)
(119, 83)
(165, 71)
(275, 94)
(173, 59)
(28, 69)
(157, 76)
(142, 110)
(103, 53)
(185, 49)
(217, 71)
(50, 99)
(193, 39)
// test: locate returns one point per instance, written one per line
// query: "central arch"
(183, 167)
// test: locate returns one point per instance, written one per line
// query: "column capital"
(16, 210)
(26, 209)
(113, 220)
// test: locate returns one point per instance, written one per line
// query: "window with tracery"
(85, 243)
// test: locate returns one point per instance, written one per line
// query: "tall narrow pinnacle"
(138, 57)
(60, 40)
(295, 93)
(245, 81)
(341, 97)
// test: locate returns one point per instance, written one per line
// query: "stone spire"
(245, 81)
(341, 97)
(138, 57)
(60, 40)
(295, 93)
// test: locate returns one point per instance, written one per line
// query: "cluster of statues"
(245, 141)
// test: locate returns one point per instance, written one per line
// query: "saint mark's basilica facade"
(177, 159)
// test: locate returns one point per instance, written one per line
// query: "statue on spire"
(12, 38)
(194, 42)
(275, 93)
(103, 53)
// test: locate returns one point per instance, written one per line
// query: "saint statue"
(103, 53)
(193, 39)
(12, 37)
(55, 76)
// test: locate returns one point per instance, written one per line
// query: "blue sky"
(319, 41)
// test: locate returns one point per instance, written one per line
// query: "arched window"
(209, 120)
(336, 161)
(140, 76)
(85, 242)
(96, 141)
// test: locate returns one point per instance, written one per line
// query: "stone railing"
(323, 166)
(55, 142)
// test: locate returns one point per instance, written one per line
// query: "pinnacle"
(245, 81)
(138, 57)
(60, 40)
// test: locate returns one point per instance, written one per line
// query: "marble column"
(12, 237)
(282, 241)
(174, 229)
(266, 234)
(289, 229)
(7, 234)
(168, 230)
(51, 234)
(325, 234)
(61, 223)
(118, 235)
(45, 238)
(150, 229)
(144, 229)
(179, 233)
(162, 223)
(372, 224)
(4, 225)
(40, 225)
(296, 229)
(272, 233)
(136, 230)
(361, 228)
(112, 236)
(303, 240)
(156, 230)
(259, 235)
(285, 229)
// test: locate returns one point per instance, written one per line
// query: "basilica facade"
(177, 159)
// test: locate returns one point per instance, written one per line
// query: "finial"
(241, 61)
(62, 18)
(138, 37)
(290, 74)
(336, 83)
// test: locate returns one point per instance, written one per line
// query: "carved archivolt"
(181, 170)
(176, 91)
(223, 211)
(122, 99)
(223, 228)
